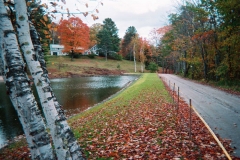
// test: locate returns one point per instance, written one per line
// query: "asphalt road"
(219, 109)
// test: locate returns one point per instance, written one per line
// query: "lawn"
(79, 65)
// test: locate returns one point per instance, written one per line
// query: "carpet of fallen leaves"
(146, 127)
(15, 153)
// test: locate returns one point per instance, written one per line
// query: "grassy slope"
(147, 91)
(84, 63)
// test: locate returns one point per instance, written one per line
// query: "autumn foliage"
(203, 41)
(74, 34)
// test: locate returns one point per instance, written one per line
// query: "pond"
(74, 94)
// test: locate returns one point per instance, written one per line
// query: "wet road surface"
(219, 109)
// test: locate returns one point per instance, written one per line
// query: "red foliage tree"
(74, 35)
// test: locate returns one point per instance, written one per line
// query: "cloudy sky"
(144, 15)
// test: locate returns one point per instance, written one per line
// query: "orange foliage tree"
(74, 35)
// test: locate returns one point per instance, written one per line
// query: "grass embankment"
(111, 128)
(138, 123)
(141, 123)
(62, 66)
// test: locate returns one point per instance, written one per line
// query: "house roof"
(56, 46)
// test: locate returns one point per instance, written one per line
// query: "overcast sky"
(144, 15)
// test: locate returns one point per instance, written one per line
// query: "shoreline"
(20, 137)
(50, 76)
(108, 98)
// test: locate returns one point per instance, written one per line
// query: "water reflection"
(78, 94)
(75, 94)
(9, 123)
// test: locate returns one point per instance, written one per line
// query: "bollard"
(190, 119)
(173, 92)
(178, 101)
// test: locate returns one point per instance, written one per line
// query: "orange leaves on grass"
(145, 128)
(15, 153)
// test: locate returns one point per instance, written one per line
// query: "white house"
(56, 49)
(93, 50)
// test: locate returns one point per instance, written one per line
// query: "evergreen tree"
(108, 40)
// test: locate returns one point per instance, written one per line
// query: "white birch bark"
(66, 146)
(40, 57)
(19, 90)
(1, 51)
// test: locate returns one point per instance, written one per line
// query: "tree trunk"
(19, 91)
(205, 68)
(142, 66)
(66, 146)
(40, 57)
(185, 65)
(1, 61)
(135, 67)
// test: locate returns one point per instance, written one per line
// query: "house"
(93, 50)
(56, 49)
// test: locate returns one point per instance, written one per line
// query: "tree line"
(78, 37)
(203, 42)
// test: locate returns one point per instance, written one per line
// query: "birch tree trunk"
(1, 49)
(66, 146)
(19, 90)
(40, 57)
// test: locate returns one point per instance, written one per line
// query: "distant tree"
(153, 67)
(55, 38)
(74, 35)
(142, 58)
(108, 40)
(125, 47)
(94, 29)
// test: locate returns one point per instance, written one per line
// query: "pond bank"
(141, 123)
(82, 93)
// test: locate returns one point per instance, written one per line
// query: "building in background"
(93, 50)
(57, 49)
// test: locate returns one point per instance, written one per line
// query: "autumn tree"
(74, 35)
(109, 42)
(94, 29)
(126, 49)
(204, 40)
(228, 32)
(135, 45)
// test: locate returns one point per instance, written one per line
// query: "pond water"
(75, 95)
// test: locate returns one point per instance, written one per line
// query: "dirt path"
(219, 109)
